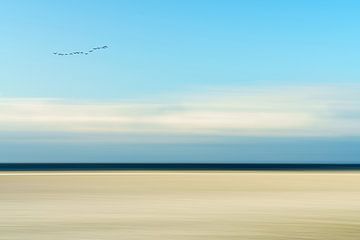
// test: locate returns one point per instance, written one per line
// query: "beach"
(180, 205)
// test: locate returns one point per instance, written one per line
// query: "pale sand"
(176, 205)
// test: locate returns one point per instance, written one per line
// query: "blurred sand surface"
(180, 205)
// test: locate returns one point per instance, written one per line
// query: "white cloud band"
(293, 111)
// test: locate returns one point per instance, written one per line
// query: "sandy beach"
(179, 205)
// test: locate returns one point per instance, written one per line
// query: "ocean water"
(179, 205)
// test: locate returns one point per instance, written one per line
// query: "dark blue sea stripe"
(175, 167)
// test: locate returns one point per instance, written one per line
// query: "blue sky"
(199, 73)
(159, 46)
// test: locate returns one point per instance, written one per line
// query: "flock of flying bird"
(79, 53)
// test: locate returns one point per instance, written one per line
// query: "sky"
(181, 81)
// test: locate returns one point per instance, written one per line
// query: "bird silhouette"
(92, 50)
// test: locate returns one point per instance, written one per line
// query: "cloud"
(286, 111)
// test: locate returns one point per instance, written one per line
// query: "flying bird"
(76, 53)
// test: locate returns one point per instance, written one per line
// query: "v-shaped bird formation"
(80, 53)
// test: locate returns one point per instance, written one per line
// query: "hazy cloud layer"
(287, 111)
